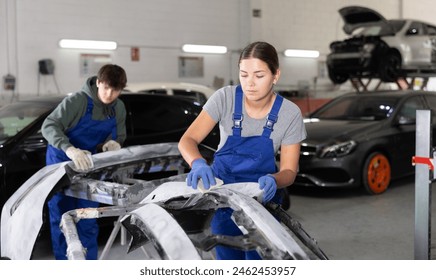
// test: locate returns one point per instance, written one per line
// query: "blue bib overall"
(243, 159)
(86, 135)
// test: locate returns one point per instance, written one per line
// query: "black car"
(362, 140)
(150, 119)
(381, 48)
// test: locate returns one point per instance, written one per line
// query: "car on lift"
(150, 119)
(381, 48)
(364, 139)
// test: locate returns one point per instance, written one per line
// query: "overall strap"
(272, 116)
(90, 105)
(237, 114)
(89, 108)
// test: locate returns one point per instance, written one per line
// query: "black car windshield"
(16, 116)
(391, 28)
(367, 108)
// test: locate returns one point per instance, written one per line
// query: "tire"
(389, 69)
(376, 175)
(337, 78)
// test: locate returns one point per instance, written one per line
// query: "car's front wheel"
(389, 69)
(376, 173)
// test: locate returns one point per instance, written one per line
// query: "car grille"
(347, 46)
(324, 177)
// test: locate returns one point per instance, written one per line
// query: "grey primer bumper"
(164, 217)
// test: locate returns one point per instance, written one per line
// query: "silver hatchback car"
(381, 48)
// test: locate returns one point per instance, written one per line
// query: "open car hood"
(356, 17)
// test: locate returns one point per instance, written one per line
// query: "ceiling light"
(204, 49)
(301, 53)
(87, 44)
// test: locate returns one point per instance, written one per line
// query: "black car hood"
(355, 17)
(328, 131)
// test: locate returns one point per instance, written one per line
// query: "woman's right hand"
(201, 170)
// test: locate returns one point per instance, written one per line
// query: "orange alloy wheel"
(378, 173)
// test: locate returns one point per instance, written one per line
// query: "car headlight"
(368, 48)
(338, 150)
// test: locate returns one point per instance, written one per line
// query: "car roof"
(170, 85)
(389, 93)
(56, 99)
(189, 99)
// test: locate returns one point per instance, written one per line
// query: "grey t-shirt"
(289, 128)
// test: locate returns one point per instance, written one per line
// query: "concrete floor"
(348, 224)
(351, 225)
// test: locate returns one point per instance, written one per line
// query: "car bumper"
(346, 62)
(328, 172)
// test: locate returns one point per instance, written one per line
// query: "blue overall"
(86, 135)
(243, 159)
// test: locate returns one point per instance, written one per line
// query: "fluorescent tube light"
(301, 53)
(204, 49)
(87, 44)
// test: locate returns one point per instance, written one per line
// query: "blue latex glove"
(268, 184)
(201, 170)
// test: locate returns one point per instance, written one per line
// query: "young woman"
(255, 123)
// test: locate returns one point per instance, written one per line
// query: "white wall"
(158, 27)
(30, 31)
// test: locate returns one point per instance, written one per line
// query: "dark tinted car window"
(415, 28)
(407, 112)
(410, 106)
(193, 94)
(431, 30)
(154, 91)
(16, 116)
(358, 107)
(148, 116)
(397, 25)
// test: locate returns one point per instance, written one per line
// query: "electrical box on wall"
(9, 82)
(46, 66)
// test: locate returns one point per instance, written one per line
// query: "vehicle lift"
(424, 175)
(360, 85)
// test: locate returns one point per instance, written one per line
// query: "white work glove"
(82, 159)
(111, 145)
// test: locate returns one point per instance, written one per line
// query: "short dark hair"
(113, 75)
(263, 51)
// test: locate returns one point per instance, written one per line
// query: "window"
(199, 96)
(16, 116)
(431, 30)
(155, 116)
(415, 28)
(154, 91)
(408, 110)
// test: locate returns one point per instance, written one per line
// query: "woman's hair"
(263, 51)
(113, 75)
